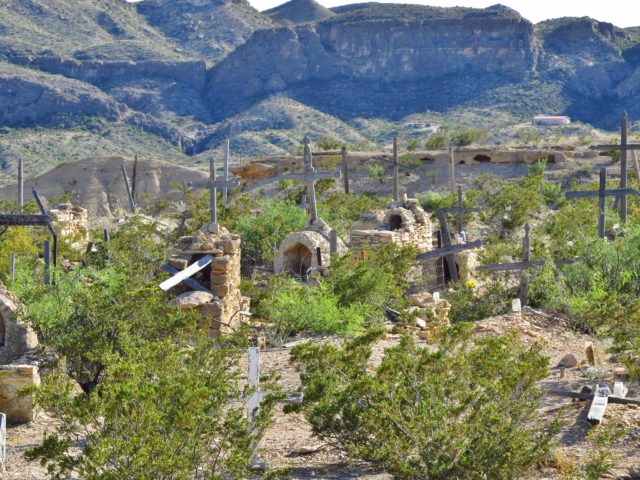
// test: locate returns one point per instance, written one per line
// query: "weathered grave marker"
(47, 263)
(225, 171)
(624, 148)
(452, 170)
(345, 169)
(311, 176)
(396, 173)
(460, 210)
(3, 440)
(21, 184)
(213, 186)
(43, 211)
(523, 266)
(134, 177)
(12, 266)
(186, 273)
(602, 193)
(255, 398)
(132, 203)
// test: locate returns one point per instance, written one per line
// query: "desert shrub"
(378, 280)
(410, 160)
(434, 200)
(328, 143)
(462, 137)
(528, 136)
(551, 192)
(509, 207)
(469, 303)
(412, 144)
(464, 410)
(341, 210)
(437, 141)
(266, 230)
(293, 307)
(538, 168)
(162, 411)
(376, 172)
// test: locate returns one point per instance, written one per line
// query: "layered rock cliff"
(390, 44)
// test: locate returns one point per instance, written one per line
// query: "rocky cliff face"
(386, 48)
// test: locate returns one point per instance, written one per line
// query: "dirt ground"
(282, 446)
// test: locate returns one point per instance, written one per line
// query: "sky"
(622, 13)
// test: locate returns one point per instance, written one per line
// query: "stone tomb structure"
(308, 253)
(220, 307)
(402, 223)
(18, 367)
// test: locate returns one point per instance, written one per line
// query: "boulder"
(190, 300)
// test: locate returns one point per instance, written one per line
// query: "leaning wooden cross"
(311, 176)
(624, 148)
(213, 186)
(183, 275)
(602, 193)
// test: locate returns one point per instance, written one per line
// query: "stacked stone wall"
(13, 378)
(70, 221)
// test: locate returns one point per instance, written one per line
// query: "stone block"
(189, 300)
(179, 263)
(221, 290)
(18, 408)
(213, 309)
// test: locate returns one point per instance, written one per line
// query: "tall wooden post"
(47, 263)
(396, 180)
(132, 204)
(452, 171)
(345, 169)
(602, 203)
(21, 184)
(460, 211)
(623, 166)
(526, 257)
(134, 177)
(12, 266)
(333, 242)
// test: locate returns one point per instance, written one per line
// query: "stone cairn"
(71, 222)
(220, 309)
(18, 366)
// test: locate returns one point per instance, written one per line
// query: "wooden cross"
(624, 147)
(255, 398)
(602, 193)
(311, 176)
(449, 250)
(303, 203)
(600, 399)
(460, 210)
(213, 185)
(345, 169)
(523, 266)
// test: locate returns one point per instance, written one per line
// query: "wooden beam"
(25, 220)
(613, 148)
(589, 396)
(517, 266)
(190, 282)
(451, 250)
(186, 273)
(608, 193)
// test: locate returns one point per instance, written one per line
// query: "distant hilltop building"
(551, 120)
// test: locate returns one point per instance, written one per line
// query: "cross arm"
(466, 209)
(519, 266)
(607, 193)
(215, 184)
(450, 250)
(25, 220)
(306, 176)
(611, 148)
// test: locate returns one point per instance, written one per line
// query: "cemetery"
(508, 280)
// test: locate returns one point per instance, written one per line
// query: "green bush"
(266, 230)
(469, 304)
(292, 307)
(539, 167)
(437, 141)
(551, 192)
(410, 160)
(466, 409)
(376, 172)
(328, 143)
(463, 138)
